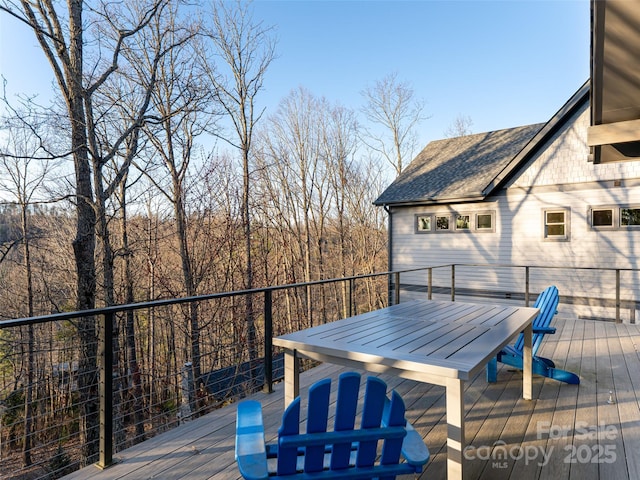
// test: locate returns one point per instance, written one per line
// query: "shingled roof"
(458, 169)
(471, 167)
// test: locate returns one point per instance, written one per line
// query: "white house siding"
(559, 176)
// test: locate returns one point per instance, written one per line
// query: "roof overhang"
(430, 201)
(614, 134)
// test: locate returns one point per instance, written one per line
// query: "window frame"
(616, 217)
(419, 216)
(567, 225)
(450, 224)
(452, 220)
(457, 215)
(619, 216)
(615, 214)
(490, 213)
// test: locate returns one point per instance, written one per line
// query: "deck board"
(604, 354)
(627, 384)
(563, 413)
(587, 411)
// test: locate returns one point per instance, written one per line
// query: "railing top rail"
(557, 267)
(180, 300)
(212, 296)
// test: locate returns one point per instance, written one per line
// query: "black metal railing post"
(396, 292)
(526, 286)
(350, 296)
(268, 341)
(453, 283)
(430, 283)
(105, 354)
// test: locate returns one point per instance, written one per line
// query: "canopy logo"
(500, 453)
(596, 451)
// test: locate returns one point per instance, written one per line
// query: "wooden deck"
(566, 432)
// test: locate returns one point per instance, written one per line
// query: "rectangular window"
(484, 222)
(630, 217)
(556, 224)
(602, 217)
(463, 222)
(424, 223)
(442, 222)
(612, 217)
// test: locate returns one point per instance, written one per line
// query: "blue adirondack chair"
(511, 355)
(344, 453)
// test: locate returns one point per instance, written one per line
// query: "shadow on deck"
(568, 431)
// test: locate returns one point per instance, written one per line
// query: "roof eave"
(431, 201)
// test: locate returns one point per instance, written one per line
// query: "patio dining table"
(437, 342)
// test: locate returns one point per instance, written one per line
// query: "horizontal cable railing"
(77, 387)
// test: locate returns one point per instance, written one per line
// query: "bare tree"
(293, 178)
(315, 202)
(245, 49)
(340, 142)
(179, 103)
(85, 47)
(22, 177)
(391, 105)
(460, 127)
(133, 367)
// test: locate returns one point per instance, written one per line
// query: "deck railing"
(152, 387)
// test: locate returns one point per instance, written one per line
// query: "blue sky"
(501, 63)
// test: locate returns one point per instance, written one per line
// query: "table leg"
(527, 364)
(455, 428)
(291, 376)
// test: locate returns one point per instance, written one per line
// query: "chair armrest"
(544, 330)
(413, 449)
(251, 453)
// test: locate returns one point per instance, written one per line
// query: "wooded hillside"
(153, 175)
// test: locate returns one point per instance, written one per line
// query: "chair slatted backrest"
(379, 417)
(547, 302)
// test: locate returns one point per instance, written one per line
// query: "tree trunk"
(130, 334)
(193, 324)
(28, 398)
(246, 221)
(84, 242)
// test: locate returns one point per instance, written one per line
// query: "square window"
(463, 222)
(424, 223)
(484, 221)
(630, 217)
(602, 217)
(556, 224)
(442, 222)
